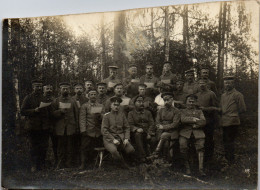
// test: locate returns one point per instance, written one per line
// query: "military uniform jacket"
(141, 119)
(191, 88)
(33, 119)
(89, 120)
(115, 126)
(232, 104)
(131, 86)
(124, 108)
(151, 82)
(66, 123)
(179, 99)
(186, 128)
(80, 100)
(45, 114)
(170, 119)
(101, 99)
(111, 81)
(170, 79)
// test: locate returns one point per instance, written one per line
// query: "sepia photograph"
(148, 98)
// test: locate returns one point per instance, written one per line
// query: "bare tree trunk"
(186, 38)
(220, 49)
(166, 35)
(103, 46)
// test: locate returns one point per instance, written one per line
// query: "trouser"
(65, 150)
(114, 149)
(142, 143)
(54, 141)
(166, 144)
(209, 141)
(199, 144)
(88, 144)
(229, 135)
(38, 147)
(77, 147)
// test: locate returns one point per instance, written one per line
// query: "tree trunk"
(104, 70)
(166, 35)
(186, 38)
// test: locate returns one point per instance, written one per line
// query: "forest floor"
(241, 175)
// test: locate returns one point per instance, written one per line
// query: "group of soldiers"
(134, 119)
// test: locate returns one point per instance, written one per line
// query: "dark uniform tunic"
(131, 86)
(179, 99)
(170, 79)
(122, 107)
(101, 99)
(111, 82)
(151, 83)
(190, 88)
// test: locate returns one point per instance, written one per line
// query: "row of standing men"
(148, 112)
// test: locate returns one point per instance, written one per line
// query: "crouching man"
(193, 121)
(116, 132)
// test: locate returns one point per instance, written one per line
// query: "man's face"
(179, 86)
(92, 95)
(119, 90)
(139, 103)
(141, 90)
(101, 89)
(112, 72)
(115, 106)
(191, 102)
(204, 73)
(149, 69)
(190, 76)
(168, 101)
(167, 67)
(133, 71)
(78, 90)
(65, 90)
(37, 88)
(88, 85)
(202, 85)
(228, 85)
(47, 90)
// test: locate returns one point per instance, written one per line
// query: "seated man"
(142, 125)
(90, 126)
(116, 132)
(167, 121)
(193, 121)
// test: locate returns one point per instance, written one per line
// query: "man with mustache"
(131, 82)
(190, 86)
(65, 111)
(30, 109)
(142, 125)
(204, 73)
(168, 77)
(179, 94)
(102, 90)
(89, 84)
(116, 132)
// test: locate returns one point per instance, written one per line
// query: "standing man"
(90, 127)
(88, 86)
(65, 111)
(102, 90)
(179, 94)
(131, 82)
(168, 77)
(142, 125)
(204, 73)
(112, 80)
(168, 120)
(190, 86)
(231, 105)
(38, 134)
(208, 103)
(150, 81)
(116, 132)
(193, 121)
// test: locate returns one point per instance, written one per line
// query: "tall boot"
(201, 159)
(186, 163)
(83, 161)
(159, 147)
(122, 163)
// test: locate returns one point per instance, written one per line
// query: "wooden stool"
(100, 156)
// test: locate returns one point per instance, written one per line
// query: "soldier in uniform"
(208, 103)
(179, 94)
(118, 91)
(65, 111)
(168, 120)
(116, 132)
(204, 73)
(102, 90)
(193, 121)
(231, 106)
(150, 81)
(112, 80)
(37, 131)
(190, 86)
(142, 125)
(131, 82)
(168, 77)
(90, 126)
(88, 86)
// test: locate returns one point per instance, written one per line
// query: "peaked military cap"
(229, 77)
(189, 71)
(118, 85)
(148, 64)
(64, 84)
(167, 62)
(132, 65)
(192, 96)
(166, 94)
(138, 96)
(36, 81)
(113, 67)
(115, 99)
(101, 84)
(142, 85)
(78, 84)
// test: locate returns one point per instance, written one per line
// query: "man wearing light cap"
(167, 121)
(193, 121)
(31, 110)
(102, 90)
(168, 77)
(150, 81)
(116, 132)
(112, 80)
(231, 106)
(65, 111)
(190, 86)
(131, 82)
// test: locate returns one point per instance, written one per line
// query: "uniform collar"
(142, 112)
(148, 77)
(231, 91)
(167, 74)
